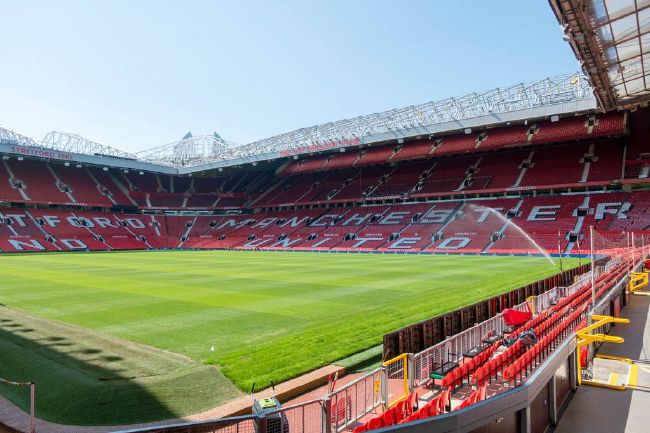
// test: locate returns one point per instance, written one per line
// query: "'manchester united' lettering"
(444, 227)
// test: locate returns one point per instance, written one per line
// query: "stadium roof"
(8, 136)
(611, 39)
(65, 142)
(562, 95)
(189, 150)
(493, 106)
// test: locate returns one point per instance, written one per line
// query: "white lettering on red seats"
(51, 220)
(229, 223)
(294, 222)
(80, 222)
(320, 221)
(361, 241)
(454, 243)
(393, 218)
(617, 208)
(74, 244)
(265, 222)
(256, 243)
(319, 243)
(485, 212)
(435, 216)
(543, 213)
(32, 244)
(286, 242)
(18, 219)
(404, 243)
(246, 222)
(135, 223)
(86, 222)
(357, 219)
(104, 222)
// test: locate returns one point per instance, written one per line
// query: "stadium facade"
(417, 179)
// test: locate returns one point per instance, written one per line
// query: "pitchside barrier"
(381, 388)
(32, 392)
(237, 424)
(304, 417)
(419, 336)
(349, 403)
(396, 385)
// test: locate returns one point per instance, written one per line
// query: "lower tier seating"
(521, 225)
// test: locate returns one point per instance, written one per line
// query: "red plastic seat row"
(535, 354)
(468, 368)
(433, 408)
(395, 415)
(476, 396)
(497, 364)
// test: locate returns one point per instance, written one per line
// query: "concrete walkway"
(291, 391)
(600, 410)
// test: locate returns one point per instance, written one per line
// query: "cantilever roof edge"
(565, 94)
(563, 109)
(351, 132)
(611, 40)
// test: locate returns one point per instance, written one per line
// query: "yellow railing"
(638, 281)
(585, 338)
(397, 379)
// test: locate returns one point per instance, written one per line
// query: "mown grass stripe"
(269, 316)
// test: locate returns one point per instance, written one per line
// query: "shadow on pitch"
(76, 382)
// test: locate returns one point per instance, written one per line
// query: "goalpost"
(32, 390)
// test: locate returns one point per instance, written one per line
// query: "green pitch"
(256, 316)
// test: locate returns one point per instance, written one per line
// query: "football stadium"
(470, 264)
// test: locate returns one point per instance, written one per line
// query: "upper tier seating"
(551, 164)
(566, 165)
(145, 182)
(114, 187)
(505, 137)
(295, 189)
(446, 175)
(8, 191)
(567, 129)
(402, 180)
(498, 170)
(608, 164)
(38, 181)
(639, 138)
(81, 185)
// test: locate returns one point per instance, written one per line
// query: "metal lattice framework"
(611, 39)
(189, 150)
(65, 142)
(203, 149)
(8, 136)
(348, 132)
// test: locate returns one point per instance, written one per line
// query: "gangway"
(606, 371)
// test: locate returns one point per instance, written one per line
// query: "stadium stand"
(552, 179)
(464, 226)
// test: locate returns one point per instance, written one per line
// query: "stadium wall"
(419, 336)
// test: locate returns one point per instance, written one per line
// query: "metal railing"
(452, 348)
(354, 400)
(237, 424)
(396, 379)
(306, 417)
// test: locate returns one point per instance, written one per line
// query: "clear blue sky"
(137, 74)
